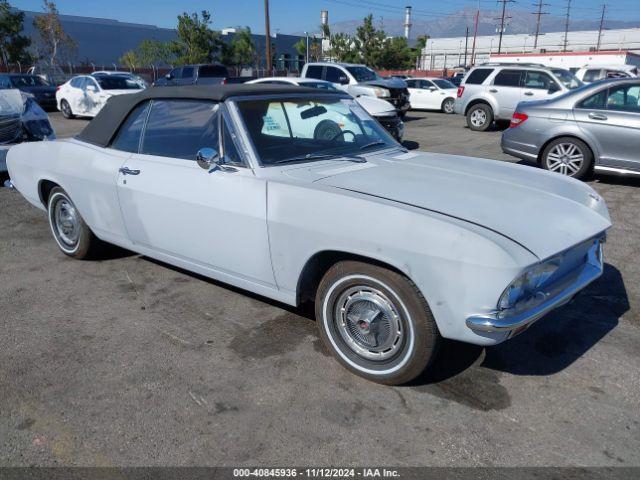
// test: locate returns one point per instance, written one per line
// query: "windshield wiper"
(323, 156)
(372, 144)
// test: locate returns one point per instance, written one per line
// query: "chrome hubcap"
(368, 323)
(65, 218)
(448, 107)
(478, 118)
(565, 158)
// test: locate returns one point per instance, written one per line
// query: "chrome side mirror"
(207, 158)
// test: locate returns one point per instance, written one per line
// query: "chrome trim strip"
(493, 322)
(618, 171)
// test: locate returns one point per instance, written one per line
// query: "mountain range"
(455, 24)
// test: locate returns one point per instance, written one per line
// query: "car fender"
(482, 97)
(571, 129)
(457, 266)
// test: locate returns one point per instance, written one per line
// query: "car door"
(612, 118)
(507, 91)
(214, 219)
(413, 87)
(337, 77)
(539, 85)
(95, 97)
(75, 95)
(187, 76)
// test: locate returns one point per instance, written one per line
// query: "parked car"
(596, 127)
(432, 94)
(21, 120)
(456, 78)
(42, 92)
(204, 74)
(85, 95)
(491, 91)
(53, 75)
(358, 80)
(593, 73)
(381, 110)
(381, 238)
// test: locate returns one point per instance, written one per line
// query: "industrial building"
(102, 42)
(442, 53)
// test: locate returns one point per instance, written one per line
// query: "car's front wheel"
(376, 322)
(447, 105)
(567, 156)
(65, 108)
(480, 117)
(70, 232)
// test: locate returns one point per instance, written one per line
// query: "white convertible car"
(397, 249)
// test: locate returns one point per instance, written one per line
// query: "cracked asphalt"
(126, 361)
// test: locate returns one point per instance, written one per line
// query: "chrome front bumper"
(557, 295)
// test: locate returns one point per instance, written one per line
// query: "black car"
(43, 93)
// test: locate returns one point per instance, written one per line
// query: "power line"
(604, 9)
(539, 14)
(502, 19)
(566, 26)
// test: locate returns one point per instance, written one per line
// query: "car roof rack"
(512, 64)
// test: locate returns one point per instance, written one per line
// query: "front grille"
(10, 128)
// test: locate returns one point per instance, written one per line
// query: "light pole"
(267, 36)
(307, 48)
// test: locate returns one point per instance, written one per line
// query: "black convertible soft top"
(103, 127)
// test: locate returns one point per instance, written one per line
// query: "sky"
(293, 16)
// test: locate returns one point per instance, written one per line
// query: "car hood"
(544, 212)
(376, 106)
(387, 83)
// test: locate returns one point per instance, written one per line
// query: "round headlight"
(528, 283)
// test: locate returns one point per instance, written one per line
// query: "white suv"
(492, 91)
(358, 80)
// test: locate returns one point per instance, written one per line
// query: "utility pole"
(604, 9)
(566, 26)
(475, 35)
(466, 42)
(267, 35)
(539, 14)
(502, 20)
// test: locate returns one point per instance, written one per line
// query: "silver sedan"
(592, 128)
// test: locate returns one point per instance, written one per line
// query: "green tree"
(53, 40)
(197, 42)
(416, 51)
(301, 46)
(129, 59)
(153, 52)
(343, 48)
(13, 45)
(369, 41)
(243, 48)
(395, 54)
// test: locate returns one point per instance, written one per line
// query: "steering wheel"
(341, 133)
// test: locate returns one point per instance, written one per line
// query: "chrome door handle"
(597, 116)
(493, 90)
(128, 171)
(528, 93)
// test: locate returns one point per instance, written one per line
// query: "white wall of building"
(449, 52)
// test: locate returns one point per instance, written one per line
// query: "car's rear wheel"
(480, 117)
(447, 105)
(567, 156)
(375, 322)
(70, 232)
(65, 108)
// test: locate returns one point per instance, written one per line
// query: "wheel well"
(476, 102)
(546, 144)
(44, 189)
(448, 98)
(317, 266)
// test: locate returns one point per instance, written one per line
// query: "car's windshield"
(441, 83)
(305, 129)
(568, 79)
(320, 85)
(117, 82)
(363, 74)
(19, 81)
